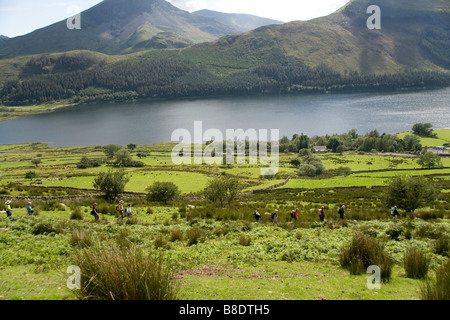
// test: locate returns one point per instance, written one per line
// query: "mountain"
(238, 21)
(336, 53)
(414, 34)
(3, 39)
(114, 26)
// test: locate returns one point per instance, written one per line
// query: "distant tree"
(301, 142)
(333, 144)
(412, 143)
(223, 190)
(132, 146)
(409, 193)
(295, 162)
(89, 163)
(36, 162)
(423, 130)
(312, 166)
(30, 175)
(111, 149)
(307, 170)
(162, 192)
(429, 160)
(123, 158)
(112, 183)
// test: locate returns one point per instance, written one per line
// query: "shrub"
(30, 175)
(130, 273)
(416, 263)
(81, 239)
(244, 240)
(438, 289)
(159, 241)
(176, 235)
(441, 246)
(112, 183)
(194, 235)
(76, 214)
(395, 232)
(44, 227)
(162, 191)
(364, 251)
(409, 193)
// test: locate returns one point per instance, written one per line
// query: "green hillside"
(113, 26)
(239, 22)
(336, 53)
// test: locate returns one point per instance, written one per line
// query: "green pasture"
(367, 179)
(278, 263)
(443, 137)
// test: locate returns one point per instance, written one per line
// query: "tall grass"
(194, 235)
(127, 273)
(364, 251)
(416, 263)
(439, 288)
(441, 246)
(81, 238)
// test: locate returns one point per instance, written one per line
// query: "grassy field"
(443, 137)
(280, 262)
(232, 257)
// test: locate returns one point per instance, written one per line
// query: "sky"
(20, 17)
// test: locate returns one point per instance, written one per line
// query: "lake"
(154, 122)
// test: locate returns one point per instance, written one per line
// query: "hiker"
(128, 210)
(94, 211)
(321, 213)
(8, 208)
(29, 209)
(274, 216)
(342, 211)
(294, 214)
(120, 208)
(257, 215)
(394, 212)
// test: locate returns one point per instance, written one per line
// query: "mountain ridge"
(108, 26)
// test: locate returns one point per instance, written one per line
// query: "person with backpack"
(274, 217)
(94, 211)
(120, 208)
(342, 211)
(294, 214)
(29, 209)
(128, 210)
(8, 209)
(321, 213)
(394, 212)
(257, 215)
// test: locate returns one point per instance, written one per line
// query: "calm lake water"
(154, 122)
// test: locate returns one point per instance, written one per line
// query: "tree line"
(87, 78)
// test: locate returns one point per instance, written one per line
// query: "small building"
(320, 148)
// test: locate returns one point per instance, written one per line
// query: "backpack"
(293, 214)
(392, 211)
(117, 208)
(254, 214)
(272, 215)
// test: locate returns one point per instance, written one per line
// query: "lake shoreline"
(59, 105)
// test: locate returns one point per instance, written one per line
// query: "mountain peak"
(112, 26)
